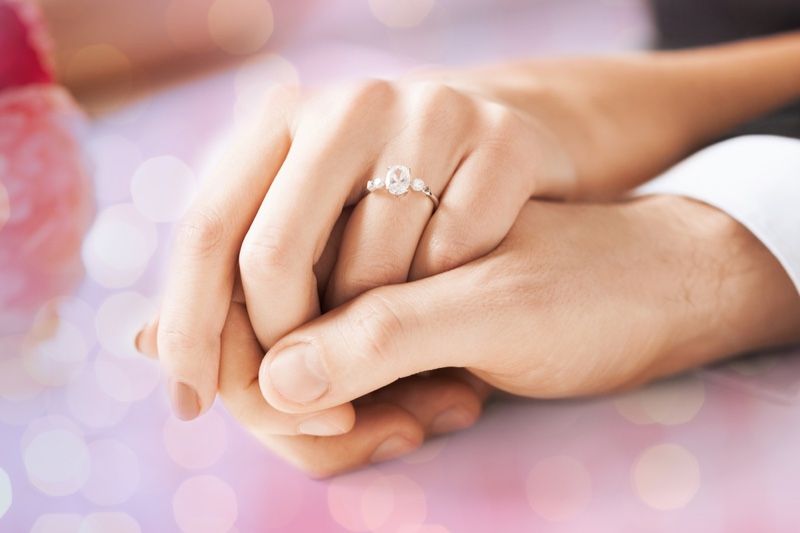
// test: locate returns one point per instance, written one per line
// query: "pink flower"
(45, 197)
(24, 44)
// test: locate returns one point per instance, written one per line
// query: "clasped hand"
(373, 322)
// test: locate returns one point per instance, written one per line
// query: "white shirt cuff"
(756, 180)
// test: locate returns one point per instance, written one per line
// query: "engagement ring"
(398, 182)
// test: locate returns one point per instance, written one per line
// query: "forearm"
(626, 118)
(116, 50)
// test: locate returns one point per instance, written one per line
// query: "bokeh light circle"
(253, 81)
(240, 26)
(118, 246)
(205, 504)
(674, 401)
(345, 494)
(114, 474)
(405, 14)
(182, 440)
(110, 522)
(666, 476)
(126, 379)
(57, 358)
(278, 504)
(57, 462)
(115, 159)
(559, 488)
(6, 494)
(91, 405)
(669, 402)
(58, 523)
(629, 405)
(119, 319)
(162, 188)
(392, 502)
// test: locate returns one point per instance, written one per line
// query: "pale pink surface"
(48, 202)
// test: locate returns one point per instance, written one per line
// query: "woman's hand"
(274, 200)
(577, 300)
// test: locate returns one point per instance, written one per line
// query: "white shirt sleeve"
(754, 179)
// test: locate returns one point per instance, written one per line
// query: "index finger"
(204, 259)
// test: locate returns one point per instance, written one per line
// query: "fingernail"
(391, 448)
(144, 341)
(452, 419)
(297, 373)
(185, 402)
(319, 426)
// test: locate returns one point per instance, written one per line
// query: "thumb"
(383, 335)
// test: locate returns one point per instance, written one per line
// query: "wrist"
(729, 295)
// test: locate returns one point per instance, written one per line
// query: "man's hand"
(578, 300)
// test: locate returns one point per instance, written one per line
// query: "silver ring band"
(398, 182)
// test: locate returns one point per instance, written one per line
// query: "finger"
(384, 232)
(146, 340)
(381, 432)
(390, 422)
(442, 402)
(238, 386)
(378, 244)
(291, 228)
(387, 333)
(479, 206)
(203, 264)
(324, 266)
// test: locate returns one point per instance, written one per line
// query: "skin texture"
(577, 300)
(574, 129)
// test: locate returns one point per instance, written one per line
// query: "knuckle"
(440, 105)
(267, 253)
(375, 268)
(432, 93)
(377, 326)
(446, 254)
(365, 94)
(174, 343)
(502, 126)
(201, 233)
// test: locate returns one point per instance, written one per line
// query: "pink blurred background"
(88, 443)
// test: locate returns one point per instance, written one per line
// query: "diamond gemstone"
(398, 179)
(418, 185)
(377, 182)
(370, 185)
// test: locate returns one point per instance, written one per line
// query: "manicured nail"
(392, 448)
(297, 373)
(452, 419)
(319, 426)
(185, 402)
